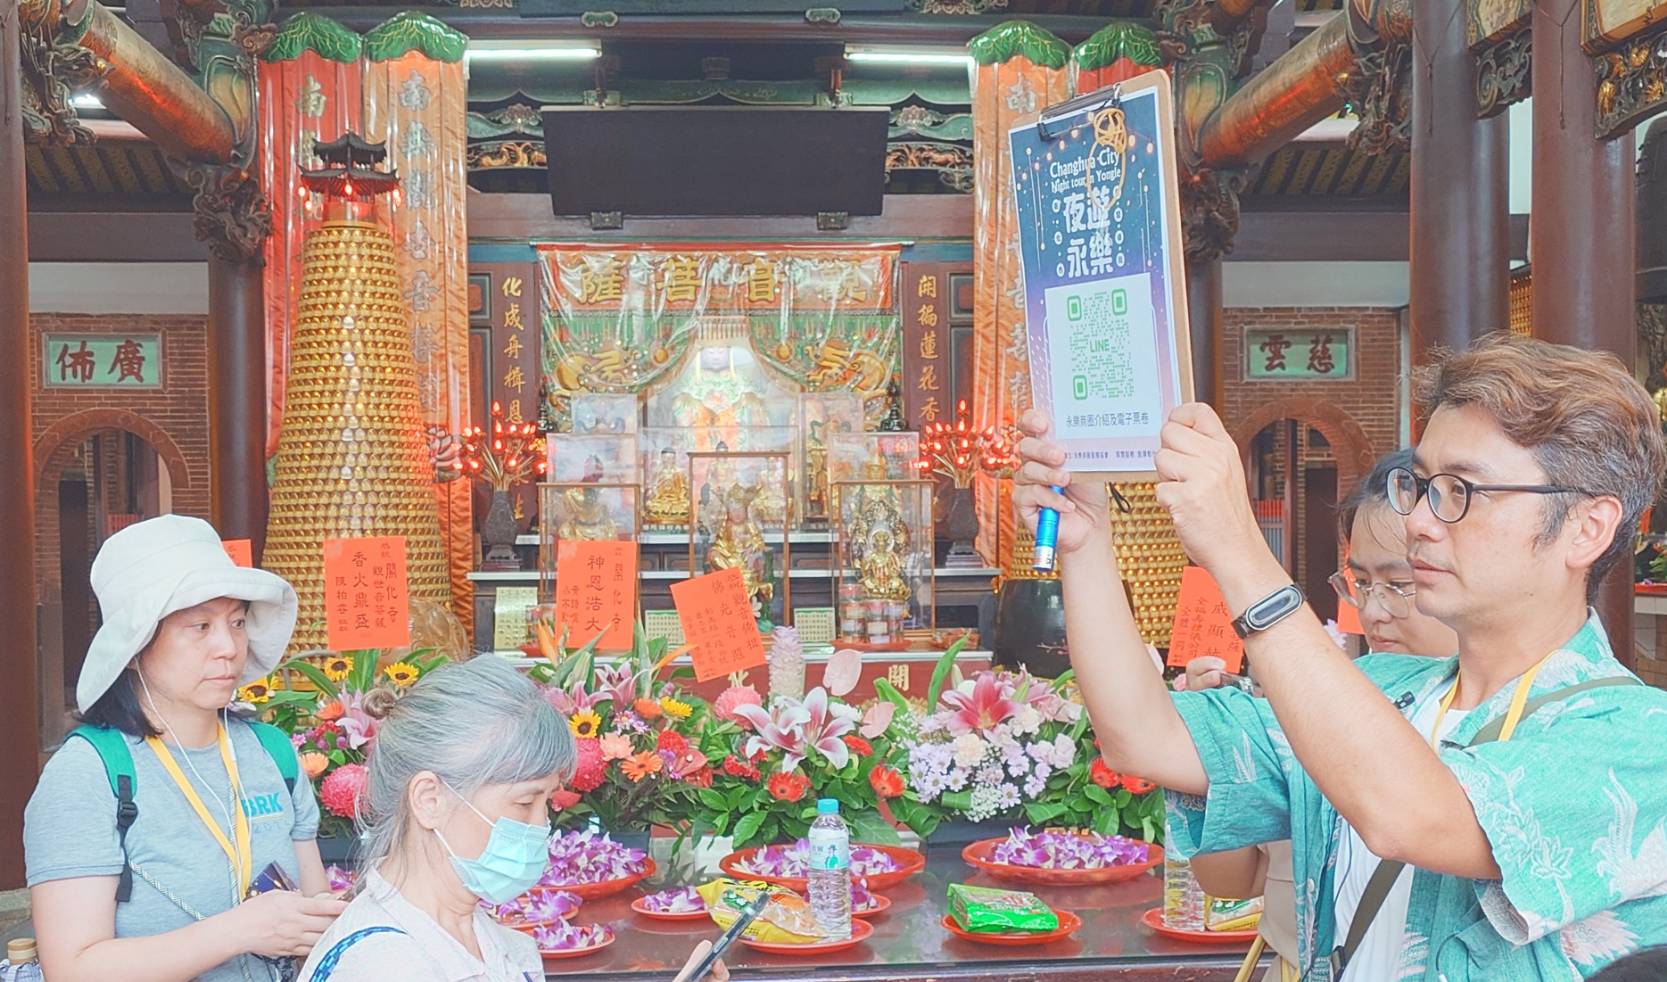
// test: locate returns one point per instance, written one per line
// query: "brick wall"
(1359, 418)
(173, 419)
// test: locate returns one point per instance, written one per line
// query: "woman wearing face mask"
(1377, 581)
(150, 824)
(455, 811)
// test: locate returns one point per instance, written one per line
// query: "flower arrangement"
(580, 858)
(1054, 849)
(772, 763)
(327, 722)
(1005, 745)
(637, 735)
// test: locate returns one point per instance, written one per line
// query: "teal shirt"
(1574, 806)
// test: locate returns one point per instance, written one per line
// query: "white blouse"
(425, 952)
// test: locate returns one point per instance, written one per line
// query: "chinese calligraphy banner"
(927, 386)
(365, 600)
(102, 361)
(509, 304)
(1203, 625)
(716, 615)
(620, 318)
(1299, 354)
(596, 593)
(1105, 302)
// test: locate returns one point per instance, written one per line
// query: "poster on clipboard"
(1105, 291)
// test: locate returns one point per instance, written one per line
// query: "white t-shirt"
(1378, 959)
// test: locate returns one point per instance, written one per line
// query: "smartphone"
(749, 913)
(271, 878)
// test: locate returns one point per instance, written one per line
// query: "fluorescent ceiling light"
(485, 51)
(86, 102)
(895, 55)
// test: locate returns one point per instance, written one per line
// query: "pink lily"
(827, 725)
(984, 709)
(616, 682)
(1040, 696)
(572, 700)
(782, 728)
(358, 725)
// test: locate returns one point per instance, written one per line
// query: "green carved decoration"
(411, 31)
(1004, 42)
(1116, 41)
(311, 32)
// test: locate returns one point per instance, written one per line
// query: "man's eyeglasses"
(1396, 600)
(1450, 495)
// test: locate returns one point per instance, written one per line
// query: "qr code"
(1100, 345)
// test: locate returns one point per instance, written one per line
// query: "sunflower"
(336, 668)
(676, 708)
(585, 724)
(255, 693)
(401, 673)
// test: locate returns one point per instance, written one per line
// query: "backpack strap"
(327, 964)
(1388, 871)
(277, 746)
(111, 746)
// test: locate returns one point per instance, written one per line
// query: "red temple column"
(19, 699)
(1460, 275)
(1581, 239)
(237, 399)
(1204, 315)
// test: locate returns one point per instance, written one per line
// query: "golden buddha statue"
(668, 495)
(772, 507)
(586, 517)
(880, 571)
(738, 542)
(816, 472)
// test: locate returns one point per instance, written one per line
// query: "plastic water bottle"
(21, 964)
(830, 870)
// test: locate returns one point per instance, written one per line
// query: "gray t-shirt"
(69, 830)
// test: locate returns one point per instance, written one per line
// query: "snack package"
(1232, 915)
(787, 918)
(986, 910)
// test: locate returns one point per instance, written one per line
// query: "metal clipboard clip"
(1092, 102)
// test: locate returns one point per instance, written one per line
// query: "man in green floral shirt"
(1524, 781)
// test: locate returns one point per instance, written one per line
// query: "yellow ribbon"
(242, 857)
(1513, 715)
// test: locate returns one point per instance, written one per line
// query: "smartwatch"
(1268, 611)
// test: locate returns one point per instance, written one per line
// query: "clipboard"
(1097, 198)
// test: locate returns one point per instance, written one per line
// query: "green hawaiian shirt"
(1574, 805)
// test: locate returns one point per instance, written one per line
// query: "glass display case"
(582, 511)
(600, 413)
(823, 418)
(739, 505)
(884, 581)
(586, 458)
(874, 457)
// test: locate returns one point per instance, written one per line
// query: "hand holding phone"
(749, 913)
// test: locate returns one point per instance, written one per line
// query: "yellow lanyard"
(1513, 715)
(242, 857)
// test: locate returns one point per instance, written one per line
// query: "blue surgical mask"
(512, 862)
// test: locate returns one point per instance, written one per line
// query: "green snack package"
(988, 911)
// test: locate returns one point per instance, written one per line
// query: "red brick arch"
(52, 447)
(1348, 439)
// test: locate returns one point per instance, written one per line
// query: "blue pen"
(1047, 537)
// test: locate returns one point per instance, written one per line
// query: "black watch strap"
(1270, 610)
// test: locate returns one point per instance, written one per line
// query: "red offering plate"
(550, 956)
(860, 930)
(607, 888)
(979, 855)
(879, 905)
(911, 862)
(1068, 923)
(660, 915)
(1154, 920)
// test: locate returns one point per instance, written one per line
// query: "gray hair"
(474, 724)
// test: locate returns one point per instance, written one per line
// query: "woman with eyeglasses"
(1376, 579)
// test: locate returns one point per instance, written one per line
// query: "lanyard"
(242, 856)
(1513, 715)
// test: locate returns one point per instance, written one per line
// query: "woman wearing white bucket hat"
(152, 822)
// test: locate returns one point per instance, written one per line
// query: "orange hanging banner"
(1203, 625)
(1348, 618)
(366, 601)
(241, 550)
(596, 593)
(718, 624)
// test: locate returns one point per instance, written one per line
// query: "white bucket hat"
(153, 568)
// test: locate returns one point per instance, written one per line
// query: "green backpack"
(111, 745)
